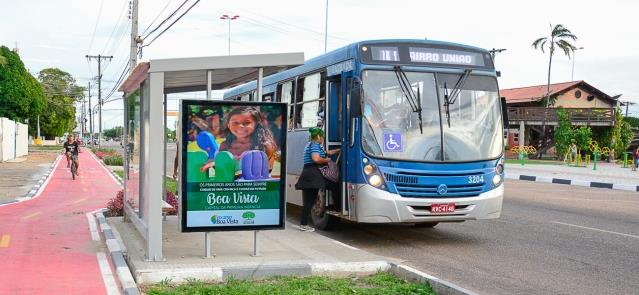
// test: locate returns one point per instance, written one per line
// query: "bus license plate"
(442, 208)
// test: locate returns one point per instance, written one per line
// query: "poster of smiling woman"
(233, 162)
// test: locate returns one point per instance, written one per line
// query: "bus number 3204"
(476, 179)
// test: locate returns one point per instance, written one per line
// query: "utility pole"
(133, 61)
(90, 116)
(84, 117)
(627, 103)
(99, 58)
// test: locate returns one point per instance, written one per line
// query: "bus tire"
(426, 224)
(321, 219)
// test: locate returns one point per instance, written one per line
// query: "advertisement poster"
(233, 165)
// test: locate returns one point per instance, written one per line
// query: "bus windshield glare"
(391, 127)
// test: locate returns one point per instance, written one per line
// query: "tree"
(21, 96)
(61, 94)
(563, 133)
(560, 37)
(621, 134)
(113, 132)
(170, 134)
(582, 137)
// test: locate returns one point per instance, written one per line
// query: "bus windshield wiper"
(451, 98)
(414, 99)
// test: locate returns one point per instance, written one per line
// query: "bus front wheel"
(321, 219)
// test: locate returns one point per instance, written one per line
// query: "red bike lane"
(45, 243)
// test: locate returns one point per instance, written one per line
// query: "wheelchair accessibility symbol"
(393, 142)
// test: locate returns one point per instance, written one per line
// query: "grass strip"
(381, 283)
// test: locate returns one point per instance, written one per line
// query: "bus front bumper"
(378, 206)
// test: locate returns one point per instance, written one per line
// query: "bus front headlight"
(496, 179)
(375, 180)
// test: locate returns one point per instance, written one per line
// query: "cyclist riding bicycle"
(71, 150)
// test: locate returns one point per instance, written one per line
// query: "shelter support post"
(209, 81)
(154, 186)
(260, 74)
(208, 244)
(256, 244)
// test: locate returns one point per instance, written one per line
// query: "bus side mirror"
(504, 112)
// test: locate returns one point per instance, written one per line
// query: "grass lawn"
(535, 162)
(45, 148)
(382, 283)
(119, 173)
(171, 185)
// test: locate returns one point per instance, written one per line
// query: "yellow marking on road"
(31, 215)
(4, 241)
(78, 201)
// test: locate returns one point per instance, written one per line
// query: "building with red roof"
(585, 105)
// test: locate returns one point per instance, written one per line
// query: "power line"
(175, 21)
(117, 22)
(295, 26)
(96, 26)
(166, 19)
(157, 16)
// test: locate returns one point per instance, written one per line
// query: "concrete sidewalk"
(283, 252)
(606, 173)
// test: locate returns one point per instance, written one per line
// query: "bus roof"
(335, 56)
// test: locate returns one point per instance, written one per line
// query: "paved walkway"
(46, 246)
(606, 172)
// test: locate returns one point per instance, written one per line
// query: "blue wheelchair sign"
(393, 142)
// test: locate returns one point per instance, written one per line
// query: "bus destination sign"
(433, 55)
(425, 55)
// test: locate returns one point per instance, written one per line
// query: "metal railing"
(588, 115)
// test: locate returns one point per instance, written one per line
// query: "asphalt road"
(551, 239)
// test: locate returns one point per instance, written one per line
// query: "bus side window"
(284, 93)
(311, 105)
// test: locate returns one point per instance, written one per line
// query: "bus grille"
(407, 186)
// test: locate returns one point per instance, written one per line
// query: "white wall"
(22, 139)
(14, 139)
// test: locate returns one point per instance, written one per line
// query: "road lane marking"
(4, 241)
(79, 200)
(345, 245)
(31, 215)
(107, 275)
(93, 227)
(596, 229)
(595, 200)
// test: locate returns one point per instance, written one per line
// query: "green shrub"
(104, 150)
(115, 160)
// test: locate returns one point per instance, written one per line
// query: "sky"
(59, 33)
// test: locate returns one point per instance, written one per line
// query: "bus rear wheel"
(426, 224)
(321, 219)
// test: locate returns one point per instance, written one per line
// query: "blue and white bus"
(419, 123)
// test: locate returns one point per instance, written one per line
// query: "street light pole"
(326, 28)
(229, 18)
(574, 54)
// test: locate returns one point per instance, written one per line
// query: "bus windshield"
(390, 127)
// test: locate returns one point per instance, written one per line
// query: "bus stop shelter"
(145, 100)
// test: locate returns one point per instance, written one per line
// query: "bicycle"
(74, 167)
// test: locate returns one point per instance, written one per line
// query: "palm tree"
(560, 37)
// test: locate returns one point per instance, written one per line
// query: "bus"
(419, 123)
